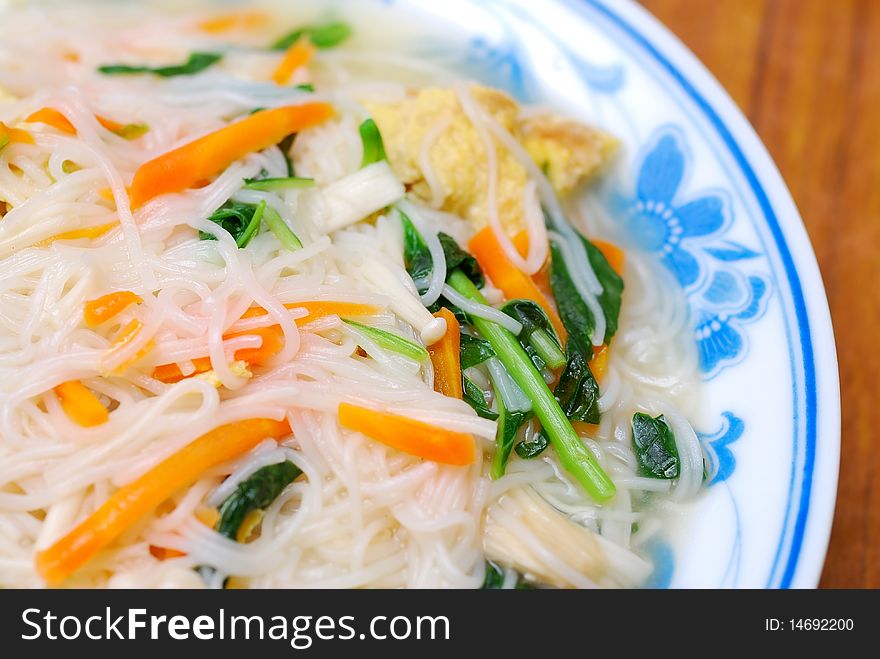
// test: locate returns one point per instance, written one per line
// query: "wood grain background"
(806, 74)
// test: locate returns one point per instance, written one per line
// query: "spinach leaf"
(509, 423)
(495, 578)
(576, 316)
(474, 397)
(474, 351)
(236, 218)
(371, 138)
(532, 449)
(196, 63)
(655, 447)
(419, 263)
(538, 338)
(255, 493)
(321, 36)
(285, 146)
(456, 257)
(416, 255)
(577, 390)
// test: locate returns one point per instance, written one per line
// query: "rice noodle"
(438, 259)
(361, 514)
(481, 310)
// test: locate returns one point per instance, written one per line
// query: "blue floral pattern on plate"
(684, 231)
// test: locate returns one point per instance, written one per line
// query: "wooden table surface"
(805, 73)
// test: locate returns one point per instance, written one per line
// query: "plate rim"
(815, 508)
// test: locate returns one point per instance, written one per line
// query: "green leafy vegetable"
(573, 455)
(534, 448)
(474, 351)
(240, 220)
(321, 36)
(456, 257)
(371, 138)
(255, 493)
(576, 316)
(416, 255)
(4, 140)
(252, 227)
(509, 423)
(392, 342)
(655, 447)
(537, 337)
(305, 87)
(419, 263)
(577, 390)
(196, 63)
(276, 184)
(132, 131)
(474, 397)
(278, 226)
(285, 146)
(495, 578)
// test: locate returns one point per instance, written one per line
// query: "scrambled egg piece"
(429, 138)
(237, 367)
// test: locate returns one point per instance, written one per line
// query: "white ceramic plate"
(698, 189)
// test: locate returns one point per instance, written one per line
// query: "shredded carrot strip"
(320, 309)
(226, 22)
(54, 118)
(13, 135)
(542, 277)
(108, 306)
(76, 234)
(613, 254)
(584, 428)
(272, 337)
(273, 341)
(296, 57)
(446, 357)
(164, 553)
(125, 336)
(109, 124)
(512, 281)
(80, 404)
(410, 436)
(133, 501)
(171, 373)
(206, 156)
(599, 362)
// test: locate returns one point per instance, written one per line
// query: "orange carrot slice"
(599, 362)
(108, 306)
(512, 281)
(52, 117)
(410, 436)
(9, 135)
(206, 156)
(75, 234)
(296, 57)
(133, 501)
(446, 357)
(613, 254)
(80, 404)
(240, 20)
